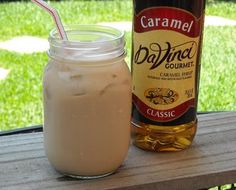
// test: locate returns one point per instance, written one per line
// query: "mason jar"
(87, 101)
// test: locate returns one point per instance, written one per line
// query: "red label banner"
(162, 115)
(166, 18)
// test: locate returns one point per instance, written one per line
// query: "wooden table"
(210, 161)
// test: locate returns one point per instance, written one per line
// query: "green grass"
(25, 18)
(224, 187)
(218, 71)
(28, 19)
(222, 8)
(21, 98)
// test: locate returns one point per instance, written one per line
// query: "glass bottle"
(167, 40)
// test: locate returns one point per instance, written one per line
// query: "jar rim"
(87, 42)
(117, 34)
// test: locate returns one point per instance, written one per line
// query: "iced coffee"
(87, 102)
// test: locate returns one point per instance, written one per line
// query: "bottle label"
(165, 53)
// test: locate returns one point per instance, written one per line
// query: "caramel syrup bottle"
(166, 49)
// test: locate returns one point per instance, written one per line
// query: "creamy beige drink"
(87, 108)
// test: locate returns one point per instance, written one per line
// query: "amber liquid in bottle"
(166, 49)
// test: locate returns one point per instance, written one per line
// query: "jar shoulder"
(67, 79)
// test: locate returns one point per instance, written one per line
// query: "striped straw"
(55, 16)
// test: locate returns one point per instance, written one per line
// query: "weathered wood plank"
(12, 138)
(210, 161)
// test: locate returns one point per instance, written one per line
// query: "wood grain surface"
(210, 161)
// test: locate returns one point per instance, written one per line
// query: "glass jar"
(87, 101)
